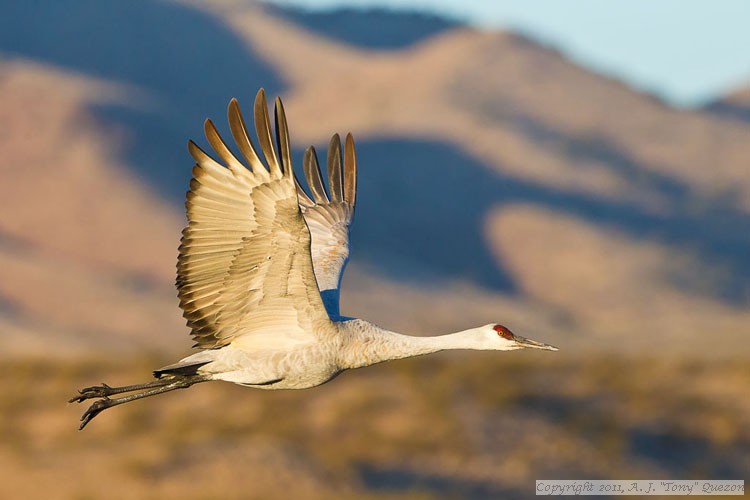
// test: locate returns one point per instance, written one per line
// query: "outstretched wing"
(329, 216)
(245, 268)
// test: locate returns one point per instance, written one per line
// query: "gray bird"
(259, 271)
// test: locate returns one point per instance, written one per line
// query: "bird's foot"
(103, 392)
(97, 391)
(95, 409)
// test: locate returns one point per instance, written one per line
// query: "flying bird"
(259, 270)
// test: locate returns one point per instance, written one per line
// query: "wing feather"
(242, 139)
(335, 176)
(282, 137)
(304, 200)
(263, 129)
(222, 149)
(245, 269)
(350, 173)
(314, 177)
(329, 217)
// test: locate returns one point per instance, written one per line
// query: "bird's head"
(500, 338)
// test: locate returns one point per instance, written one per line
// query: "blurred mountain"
(734, 106)
(499, 181)
(367, 28)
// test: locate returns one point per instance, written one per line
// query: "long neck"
(366, 344)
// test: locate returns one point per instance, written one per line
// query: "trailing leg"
(103, 391)
(152, 389)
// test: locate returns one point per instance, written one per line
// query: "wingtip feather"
(282, 139)
(335, 175)
(313, 175)
(238, 128)
(195, 151)
(350, 171)
(263, 129)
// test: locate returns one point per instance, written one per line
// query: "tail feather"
(183, 369)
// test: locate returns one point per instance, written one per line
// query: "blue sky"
(685, 51)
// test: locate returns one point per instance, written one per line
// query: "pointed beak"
(524, 342)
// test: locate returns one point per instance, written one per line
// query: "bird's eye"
(503, 332)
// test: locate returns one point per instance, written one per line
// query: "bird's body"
(259, 272)
(349, 344)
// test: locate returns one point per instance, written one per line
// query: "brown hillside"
(86, 250)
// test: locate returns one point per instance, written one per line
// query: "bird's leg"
(165, 385)
(103, 391)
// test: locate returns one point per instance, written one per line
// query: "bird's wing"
(244, 268)
(329, 213)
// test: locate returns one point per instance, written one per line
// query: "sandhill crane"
(259, 270)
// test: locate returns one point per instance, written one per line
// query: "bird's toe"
(97, 391)
(92, 411)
